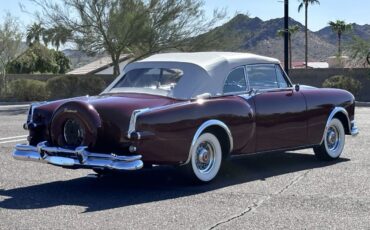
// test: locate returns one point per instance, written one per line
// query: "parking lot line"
(10, 138)
(11, 141)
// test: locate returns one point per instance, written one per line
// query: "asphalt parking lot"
(290, 190)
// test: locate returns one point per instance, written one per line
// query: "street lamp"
(286, 36)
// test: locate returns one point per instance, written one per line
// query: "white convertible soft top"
(204, 72)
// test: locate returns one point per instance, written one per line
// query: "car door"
(281, 120)
(236, 84)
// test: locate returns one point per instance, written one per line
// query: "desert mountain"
(243, 33)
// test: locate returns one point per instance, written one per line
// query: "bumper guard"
(354, 129)
(75, 158)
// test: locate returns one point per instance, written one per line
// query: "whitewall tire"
(334, 140)
(206, 158)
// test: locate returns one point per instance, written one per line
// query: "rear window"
(164, 79)
(235, 82)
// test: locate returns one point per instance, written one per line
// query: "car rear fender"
(176, 127)
(209, 125)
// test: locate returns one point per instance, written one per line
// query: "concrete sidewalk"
(362, 104)
(14, 108)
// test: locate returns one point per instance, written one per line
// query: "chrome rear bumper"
(77, 158)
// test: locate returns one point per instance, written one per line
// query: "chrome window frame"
(285, 75)
(249, 89)
(289, 83)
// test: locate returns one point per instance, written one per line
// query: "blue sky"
(357, 11)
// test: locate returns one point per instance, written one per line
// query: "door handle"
(290, 93)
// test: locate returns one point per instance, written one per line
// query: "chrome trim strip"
(273, 90)
(79, 157)
(247, 78)
(332, 114)
(133, 119)
(202, 128)
(138, 112)
(272, 151)
(246, 96)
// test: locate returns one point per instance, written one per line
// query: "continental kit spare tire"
(75, 123)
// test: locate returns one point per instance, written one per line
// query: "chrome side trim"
(272, 151)
(133, 119)
(138, 112)
(78, 158)
(332, 114)
(202, 128)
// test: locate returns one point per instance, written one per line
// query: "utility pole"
(286, 36)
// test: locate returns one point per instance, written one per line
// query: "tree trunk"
(115, 62)
(290, 51)
(3, 86)
(339, 45)
(306, 36)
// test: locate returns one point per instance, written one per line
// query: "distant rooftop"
(97, 66)
(311, 65)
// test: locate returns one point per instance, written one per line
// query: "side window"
(282, 82)
(262, 76)
(235, 82)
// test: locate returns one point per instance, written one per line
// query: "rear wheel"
(206, 158)
(333, 144)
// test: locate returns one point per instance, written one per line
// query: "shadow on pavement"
(157, 184)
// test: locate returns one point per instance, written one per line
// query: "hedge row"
(343, 82)
(72, 86)
(28, 90)
(54, 88)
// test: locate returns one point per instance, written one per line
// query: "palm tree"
(305, 4)
(291, 31)
(59, 35)
(47, 36)
(340, 27)
(34, 33)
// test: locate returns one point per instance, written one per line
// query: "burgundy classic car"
(191, 110)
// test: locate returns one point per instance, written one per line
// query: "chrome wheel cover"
(332, 138)
(205, 157)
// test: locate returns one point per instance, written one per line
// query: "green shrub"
(343, 82)
(28, 90)
(39, 59)
(73, 86)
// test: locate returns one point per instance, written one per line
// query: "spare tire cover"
(75, 119)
